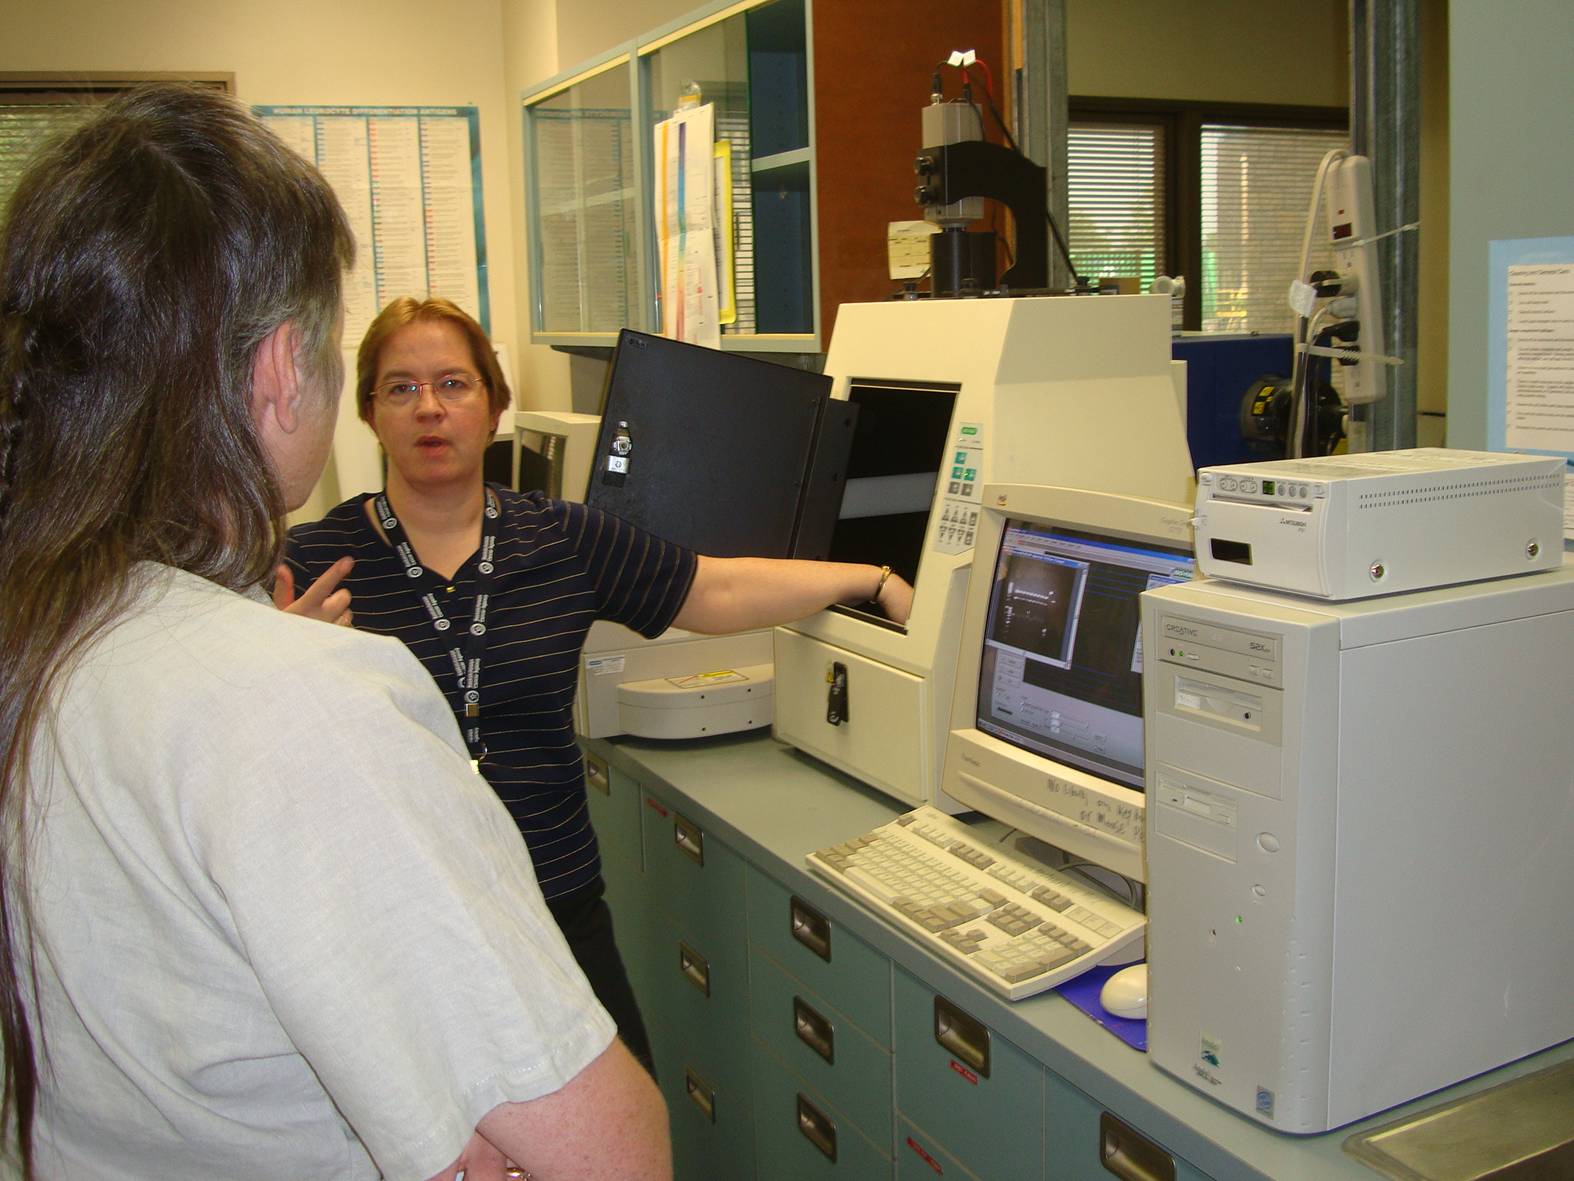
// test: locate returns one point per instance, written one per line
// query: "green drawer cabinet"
(821, 1046)
(919, 1157)
(800, 1133)
(833, 961)
(968, 1089)
(1081, 1135)
(615, 812)
(700, 1042)
(697, 1005)
(691, 876)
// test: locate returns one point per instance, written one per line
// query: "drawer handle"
(813, 1030)
(700, 1093)
(1130, 1155)
(816, 1129)
(689, 839)
(694, 966)
(963, 1036)
(597, 775)
(810, 928)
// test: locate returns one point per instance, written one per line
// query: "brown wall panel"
(872, 65)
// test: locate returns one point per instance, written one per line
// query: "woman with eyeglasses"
(494, 590)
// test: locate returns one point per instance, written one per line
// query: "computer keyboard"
(1017, 925)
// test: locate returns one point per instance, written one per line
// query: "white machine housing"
(1071, 808)
(563, 439)
(1359, 824)
(679, 685)
(1077, 392)
(1381, 522)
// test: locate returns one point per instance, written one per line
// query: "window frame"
(1182, 122)
(53, 88)
(50, 86)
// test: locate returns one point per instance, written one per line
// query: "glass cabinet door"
(596, 257)
(751, 62)
(582, 169)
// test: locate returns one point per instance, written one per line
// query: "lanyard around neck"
(467, 647)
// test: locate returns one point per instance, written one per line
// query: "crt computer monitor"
(1046, 721)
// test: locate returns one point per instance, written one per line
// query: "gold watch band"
(885, 573)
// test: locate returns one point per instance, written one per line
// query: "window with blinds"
(1115, 195)
(23, 129)
(35, 108)
(1256, 186)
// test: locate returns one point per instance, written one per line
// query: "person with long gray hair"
(260, 918)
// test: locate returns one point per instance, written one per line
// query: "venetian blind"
(1256, 183)
(24, 127)
(1115, 199)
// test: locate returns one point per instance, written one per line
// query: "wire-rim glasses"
(451, 389)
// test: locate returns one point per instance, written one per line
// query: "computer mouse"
(1125, 994)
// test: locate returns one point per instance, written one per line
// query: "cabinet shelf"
(592, 201)
(797, 158)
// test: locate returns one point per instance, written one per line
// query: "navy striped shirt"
(559, 568)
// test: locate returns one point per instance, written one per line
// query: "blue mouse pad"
(1083, 992)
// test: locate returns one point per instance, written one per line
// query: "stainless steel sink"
(1519, 1131)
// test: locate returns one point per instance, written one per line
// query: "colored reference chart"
(409, 179)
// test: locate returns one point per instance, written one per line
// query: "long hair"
(407, 310)
(144, 258)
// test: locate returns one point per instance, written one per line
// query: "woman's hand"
(325, 599)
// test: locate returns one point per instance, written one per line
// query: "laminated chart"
(1530, 353)
(409, 179)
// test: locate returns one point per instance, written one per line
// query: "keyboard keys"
(1015, 924)
(1014, 920)
(1052, 899)
(974, 857)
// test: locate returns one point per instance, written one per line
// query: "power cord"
(1133, 890)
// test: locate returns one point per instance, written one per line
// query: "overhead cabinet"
(818, 106)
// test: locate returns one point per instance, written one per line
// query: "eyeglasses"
(451, 389)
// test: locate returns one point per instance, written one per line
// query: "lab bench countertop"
(774, 805)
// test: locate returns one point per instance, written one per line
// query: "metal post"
(1385, 122)
(1041, 112)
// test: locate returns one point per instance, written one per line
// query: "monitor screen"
(1060, 672)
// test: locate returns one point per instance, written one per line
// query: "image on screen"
(1061, 669)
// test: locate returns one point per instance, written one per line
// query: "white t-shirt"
(283, 931)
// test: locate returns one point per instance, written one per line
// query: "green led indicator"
(1267, 487)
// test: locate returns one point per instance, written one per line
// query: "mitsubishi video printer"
(1352, 526)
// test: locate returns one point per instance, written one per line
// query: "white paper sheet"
(1540, 379)
(685, 226)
